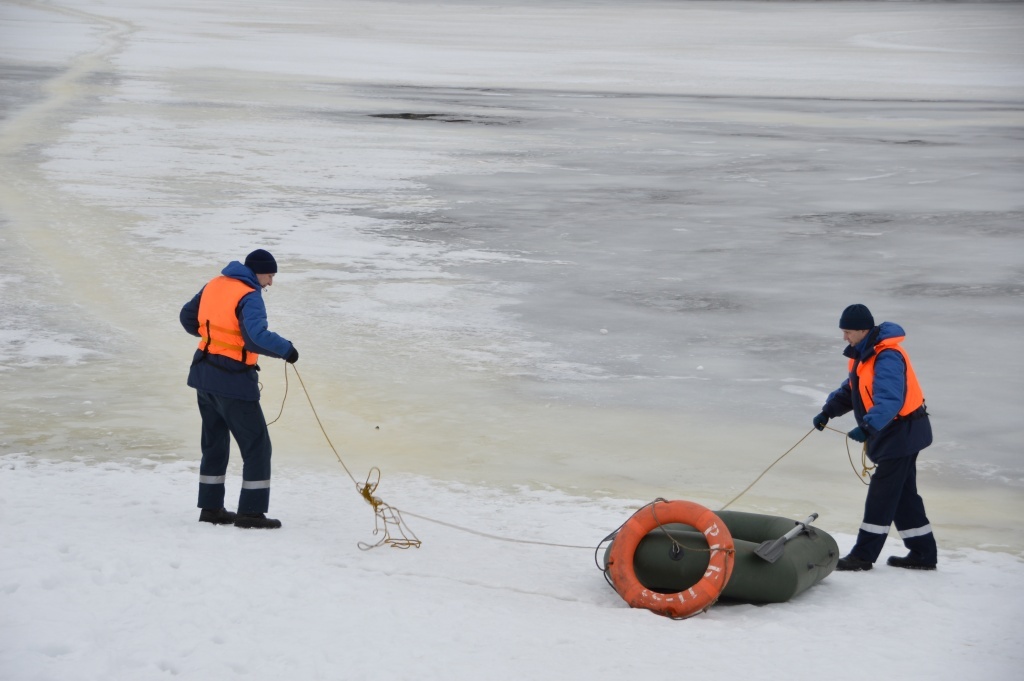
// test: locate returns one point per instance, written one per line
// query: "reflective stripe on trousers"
(246, 484)
(916, 532)
(904, 534)
(255, 484)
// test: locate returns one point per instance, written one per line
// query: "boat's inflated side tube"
(808, 558)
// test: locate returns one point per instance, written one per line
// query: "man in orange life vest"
(230, 319)
(886, 399)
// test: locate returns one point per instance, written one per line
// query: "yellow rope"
(865, 470)
(318, 422)
(279, 413)
(767, 469)
(387, 518)
(497, 537)
(672, 539)
(864, 476)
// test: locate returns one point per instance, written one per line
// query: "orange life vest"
(913, 398)
(219, 331)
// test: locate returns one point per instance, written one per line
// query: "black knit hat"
(856, 318)
(261, 262)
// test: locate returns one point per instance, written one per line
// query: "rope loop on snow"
(387, 519)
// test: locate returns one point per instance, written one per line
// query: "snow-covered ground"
(544, 261)
(106, 575)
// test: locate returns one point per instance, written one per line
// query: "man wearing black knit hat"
(230, 319)
(892, 422)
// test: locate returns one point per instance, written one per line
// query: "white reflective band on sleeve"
(255, 484)
(211, 479)
(916, 532)
(875, 529)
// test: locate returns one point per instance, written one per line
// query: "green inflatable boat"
(775, 558)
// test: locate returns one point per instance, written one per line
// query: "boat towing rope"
(692, 600)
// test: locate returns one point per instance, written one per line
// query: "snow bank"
(106, 574)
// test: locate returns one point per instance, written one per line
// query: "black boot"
(911, 562)
(217, 516)
(256, 520)
(852, 563)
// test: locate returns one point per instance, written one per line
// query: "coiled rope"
(387, 518)
(865, 470)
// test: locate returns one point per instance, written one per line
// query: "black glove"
(293, 356)
(857, 434)
(820, 420)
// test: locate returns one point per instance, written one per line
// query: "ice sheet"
(545, 244)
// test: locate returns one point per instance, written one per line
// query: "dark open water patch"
(844, 219)
(672, 301)
(839, 224)
(448, 118)
(959, 290)
(984, 223)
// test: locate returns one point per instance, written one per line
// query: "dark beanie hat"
(261, 262)
(856, 318)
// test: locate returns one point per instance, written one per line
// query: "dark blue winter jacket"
(222, 375)
(888, 437)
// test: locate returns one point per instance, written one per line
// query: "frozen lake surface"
(565, 246)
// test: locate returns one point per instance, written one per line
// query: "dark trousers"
(893, 497)
(224, 417)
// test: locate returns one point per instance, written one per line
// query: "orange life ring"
(691, 601)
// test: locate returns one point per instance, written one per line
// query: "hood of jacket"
(883, 332)
(237, 270)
